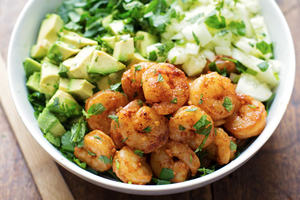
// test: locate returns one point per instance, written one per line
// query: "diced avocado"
(137, 58)
(64, 104)
(33, 82)
(80, 89)
(124, 50)
(111, 41)
(49, 123)
(148, 40)
(102, 63)
(49, 78)
(31, 66)
(116, 27)
(76, 40)
(107, 20)
(81, 62)
(106, 81)
(60, 51)
(50, 28)
(64, 84)
(68, 63)
(40, 49)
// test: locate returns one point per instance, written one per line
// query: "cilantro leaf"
(237, 28)
(269, 102)
(116, 87)
(174, 101)
(203, 126)
(191, 109)
(232, 146)
(264, 47)
(201, 100)
(152, 56)
(213, 67)
(263, 66)
(138, 67)
(62, 71)
(202, 144)
(105, 159)
(196, 39)
(91, 153)
(173, 59)
(115, 118)
(125, 139)
(214, 21)
(139, 153)
(160, 182)
(80, 164)
(95, 109)
(97, 137)
(140, 102)
(182, 128)
(227, 104)
(166, 174)
(78, 132)
(160, 78)
(147, 130)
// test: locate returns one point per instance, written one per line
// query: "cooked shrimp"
(112, 101)
(232, 151)
(140, 127)
(97, 145)
(183, 126)
(249, 120)
(165, 87)
(176, 156)
(132, 79)
(130, 167)
(215, 94)
(222, 63)
(219, 150)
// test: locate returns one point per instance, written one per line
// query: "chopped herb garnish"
(264, 47)
(201, 100)
(138, 68)
(160, 78)
(97, 137)
(105, 159)
(191, 109)
(213, 67)
(139, 153)
(206, 171)
(202, 144)
(173, 59)
(269, 102)
(203, 126)
(263, 66)
(129, 182)
(135, 94)
(182, 128)
(147, 130)
(140, 102)
(91, 153)
(215, 21)
(196, 39)
(140, 37)
(191, 158)
(117, 164)
(227, 104)
(237, 28)
(125, 139)
(115, 118)
(166, 174)
(251, 106)
(174, 101)
(116, 87)
(160, 182)
(222, 32)
(152, 56)
(95, 109)
(232, 146)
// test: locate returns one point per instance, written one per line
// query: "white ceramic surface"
(25, 34)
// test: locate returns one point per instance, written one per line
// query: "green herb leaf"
(269, 102)
(203, 126)
(125, 139)
(213, 67)
(160, 78)
(139, 153)
(117, 164)
(214, 21)
(232, 146)
(251, 106)
(196, 39)
(97, 137)
(263, 66)
(237, 28)
(160, 182)
(182, 128)
(138, 67)
(116, 87)
(92, 154)
(201, 100)
(202, 144)
(140, 37)
(105, 159)
(264, 47)
(174, 101)
(62, 71)
(147, 130)
(173, 59)
(78, 132)
(166, 174)
(66, 143)
(52, 139)
(191, 158)
(206, 171)
(191, 109)
(140, 102)
(227, 104)
(135, 94)
(95, 109)
(80, 164)
(115, 118)
(152, 56)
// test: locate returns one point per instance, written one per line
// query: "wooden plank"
(47, 177)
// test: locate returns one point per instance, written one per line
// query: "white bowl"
(24, 35)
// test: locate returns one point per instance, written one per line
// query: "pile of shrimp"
(164, 120)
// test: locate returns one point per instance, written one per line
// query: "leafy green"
(237, 28)
(147, 130)
(201, 100)
(227, 104)
(138, 67)
(62, 71)
(66, 143)
(139, 153)
(269, 102)
(264, 47)
(95, 109)
(105, 159)
(196, 39)
(37, 100)
(263, 66)
(160, 182)
(160, 78)
(152, 56)
(80, 164)
(203, 126)
(116, 87)
(213, 67)
(166, 174)
(174, 101)
(78, 132)
(140, 102)
(206, 171)
(115, 118)
(232, 146)
(182, 128)
(215, 21)
(52, 139)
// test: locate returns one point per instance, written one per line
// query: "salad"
(157, 91)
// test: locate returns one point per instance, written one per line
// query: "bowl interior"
(25, 34)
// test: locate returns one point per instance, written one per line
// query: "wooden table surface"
(273, 173)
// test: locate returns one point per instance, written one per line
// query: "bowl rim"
(161, 189)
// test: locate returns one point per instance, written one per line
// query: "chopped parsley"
(115, 118)
(182, 128)
(105, 159)
(117, 164)
(201, 100)
(160, 78)
(196, 39)
(140, 102)
(166, 174)
(227, 104)
(232, 146)
(191, 109)
(213, 67)
(138, 67)
(173, 59)
(191, 158)
(147, 130)
(125, 139)
(263, 66)
(95, 109)
(174, 101)
(140, 37)
(136, 94)
(116, 87)
(215, 21)
(152, 56)
(251, 106)
(264, 47)
(139, 153)
(91, 153)
(97, 137)
(203, 126)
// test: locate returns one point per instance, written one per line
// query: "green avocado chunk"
(31, 66)
(111, 41)
(81, 89)
(50, 28)
(49, 123)
(124, 50)
(103, 63)
(60, 51)
(76, 40)
(148, 40)
(106, 81)
(116, 27)
(49, 78)
(64, 104)
(33, 82)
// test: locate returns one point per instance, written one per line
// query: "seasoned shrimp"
(130, 167)
(183, 126)
(132, 79)
(215, 94)
(176, 156)
(139, 127)
(112, 101)
(165, 87)
(97, 145)
(222, 62)
(249, 120)
(219, 150)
